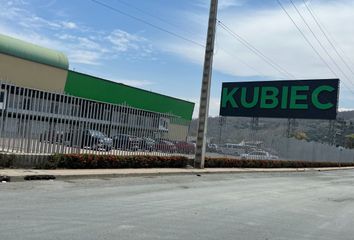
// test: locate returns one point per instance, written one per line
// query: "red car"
(165, 146)
(185, 147)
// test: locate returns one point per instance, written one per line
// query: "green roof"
(86, 86)
(31, 52)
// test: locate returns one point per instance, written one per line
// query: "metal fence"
(38, 122)
(285, 139)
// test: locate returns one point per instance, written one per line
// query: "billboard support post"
(222, 121)
(291, 127)
(254, 128)
(205, 91)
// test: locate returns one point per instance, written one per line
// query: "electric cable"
(147, 23)
(152, 15)
(306, 39)
(310, 44)
(320, 43)
(322, 28)
(162, 29)
(256, 51)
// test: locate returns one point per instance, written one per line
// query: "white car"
(259, 155)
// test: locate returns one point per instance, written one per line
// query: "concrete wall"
(31, 74)
(177, 132)
(293, 149)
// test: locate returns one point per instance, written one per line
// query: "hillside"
(347, 115)
(234, 130)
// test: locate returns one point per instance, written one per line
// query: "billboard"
(307, 99)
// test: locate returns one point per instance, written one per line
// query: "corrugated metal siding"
(31, 52)
(86, 86)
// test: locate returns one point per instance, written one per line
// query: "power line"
(141, 10)
(244, 63)
(319, 42)
(152, 15)
(218, 48)
(326, 36)
(309, 42)
(341, 49)
(179, 27)
(236, 57)
(306, 39)
(147, 23)
(166, 22)
(257, 52)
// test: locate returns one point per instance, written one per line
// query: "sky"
(106, 43)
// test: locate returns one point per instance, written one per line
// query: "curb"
(162, 173)
(196, 172)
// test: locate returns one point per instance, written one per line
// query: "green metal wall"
(94, 88)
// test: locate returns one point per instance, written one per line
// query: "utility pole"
(205, 91)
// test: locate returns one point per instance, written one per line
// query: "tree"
(350, 141)
(301, 136)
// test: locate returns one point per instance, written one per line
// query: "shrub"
(87, 161)
(6, 160)
(241, 163)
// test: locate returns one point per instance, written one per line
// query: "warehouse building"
(46, 72)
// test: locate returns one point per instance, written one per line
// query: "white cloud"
(214, 105)
(69, 25)
(82, 44)
(15, 13)
(27, 19)
(223, 4)
(78, 49)
(272, 33)
(132, 46)
(84, 57)
(275, 35)
(124, 41)
(345, 109)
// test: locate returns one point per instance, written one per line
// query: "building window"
(163, 124)
(2, 100)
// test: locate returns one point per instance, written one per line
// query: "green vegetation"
(77, 161)
(301, 136)
(350, 141)
(87, 161)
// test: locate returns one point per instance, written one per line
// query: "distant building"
(34, 67)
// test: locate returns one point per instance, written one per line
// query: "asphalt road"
(314, 205)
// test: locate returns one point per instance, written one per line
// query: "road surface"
(313, 205)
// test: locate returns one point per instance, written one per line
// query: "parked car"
(231, 149)
(259, 155)
(147, 144)
(126, 142)
(56, 136)
(212, 147)
(96, 140)
(184, 147)
(165, 146)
